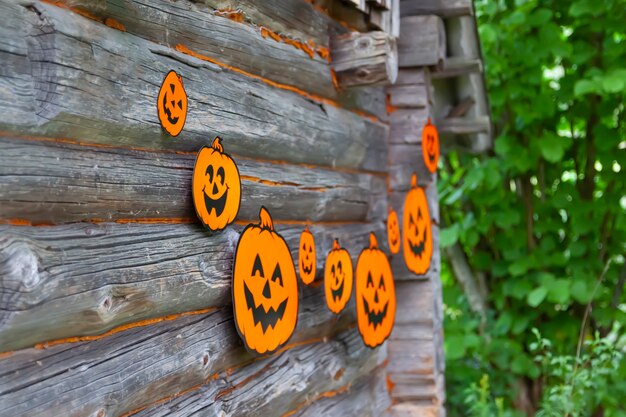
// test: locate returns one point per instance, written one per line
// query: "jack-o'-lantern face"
(172, 104)
(430, 146)
(417, 238)
(375, 295)
(337, 278)
(393, 231)
(265, 287)
(216, 187)
(307, 257)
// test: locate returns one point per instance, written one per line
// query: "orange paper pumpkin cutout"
(393, 231)
(265, 287)
(417, 238)
(430, 146)
(216, 187)
(172, 104)
(375, 295)
(337, 278)
(307, 257)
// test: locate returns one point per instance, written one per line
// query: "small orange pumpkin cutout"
(265, 287)
(417, 237)
(172, 104)
(375, 295)
(307, 258)
(430, 146)
(338, 277)
(393, 232)
(216, 187)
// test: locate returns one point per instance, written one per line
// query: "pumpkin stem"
(373, 241)
(336, 244)
(414, 180)
(389, 209)
(217, 145)
(265, 219)
(428, 121)
(306, 228)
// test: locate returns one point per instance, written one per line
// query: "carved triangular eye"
(257, 268)
(370, 281)
(339, 267)
(381, 285)
(277, 276)
(209, 172)
(172, 87)
(180, 104)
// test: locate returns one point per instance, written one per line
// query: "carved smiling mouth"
(267, 318)
(417, 249)
(217, 205)
(168, 113)
(375, 319)
(431, 157)
(307, 270)
(338, 292)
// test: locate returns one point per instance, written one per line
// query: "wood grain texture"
(85, 279)
(138, 367)
(52, 183)
(367, 397)
(238, 34)
(364, 59)
(422, 41)
(278, 384)
(233, 43)
(58, 61)
(443, 8)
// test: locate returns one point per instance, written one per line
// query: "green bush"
(540, 220)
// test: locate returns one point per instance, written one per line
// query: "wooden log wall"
(114, 300)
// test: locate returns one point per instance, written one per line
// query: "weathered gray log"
(457, 66)
(138, 367)
(407, 125)
(299, 19)
(364, 59)
(297, 59)
(282, 384)
(85, 279)
(56, 61)
(51, 183)
(409, 160)
(463, 125)
(422, 41)
(443, 8)
(411, 96)
(367, 397)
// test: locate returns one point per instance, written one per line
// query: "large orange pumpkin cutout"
(375, 295)
(265, 287)
(337, 278)
(393, 231)
(216, 187)
(417, 238)
(172, 104)
(307, 257)
(430, 146)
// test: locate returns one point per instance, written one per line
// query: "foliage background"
(534, 231)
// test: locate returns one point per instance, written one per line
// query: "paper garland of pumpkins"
(430, 146)
(338, 277)
(265, 287)
(216, 187)
(172, 104)
(307, 258)
(393, 231)
(375, 295)
(417, 239)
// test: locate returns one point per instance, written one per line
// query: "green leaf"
(615, 81)
(536, 296)
(583, 87)
(449, 236)
(559, 291)
(553, 147)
